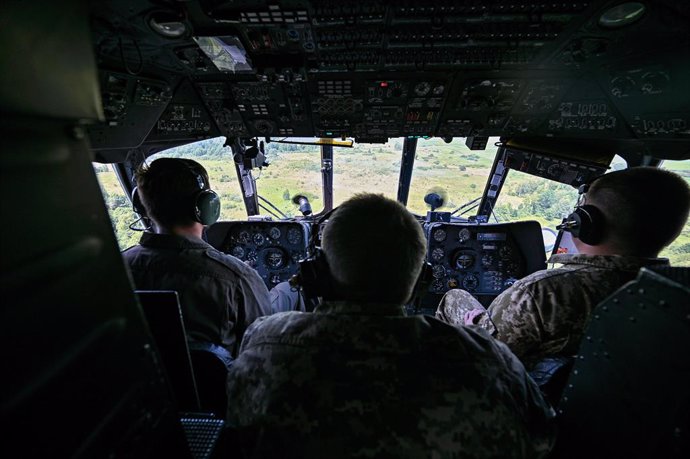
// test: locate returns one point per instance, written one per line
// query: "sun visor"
(584, 150)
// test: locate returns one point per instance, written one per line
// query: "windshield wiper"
(274, 208)
(467, 204)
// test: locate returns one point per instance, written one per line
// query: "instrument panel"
(390, 69)
(482, 259)
(273, 249)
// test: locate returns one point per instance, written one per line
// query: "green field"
(458, 172)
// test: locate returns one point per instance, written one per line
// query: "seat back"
(211, 363)
(629, 392)
(164, 317)
(80, 375)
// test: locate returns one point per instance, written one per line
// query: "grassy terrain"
(458, 172)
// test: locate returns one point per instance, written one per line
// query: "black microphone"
(434, 200)
(303, 203)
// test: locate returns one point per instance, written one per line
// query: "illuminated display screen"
(491, 236)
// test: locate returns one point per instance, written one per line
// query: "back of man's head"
(167, 189)
(645, 209)
(375, 249)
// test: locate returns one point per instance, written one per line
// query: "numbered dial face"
(275, 259)
(238, 251)
(487, 260)
(505, 252)
(470, 282)
(422, 89)
(252, 258)
(464, 261)
(259, 239)
(438, 90)
(294, 236)
(274, 233)
(464, 235)
(244, 237)
(439, 235)
(438, 271)
(437, 254)
(437, 286)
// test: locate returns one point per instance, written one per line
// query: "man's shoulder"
(220, 259)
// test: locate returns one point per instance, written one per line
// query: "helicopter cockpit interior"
(560, 88)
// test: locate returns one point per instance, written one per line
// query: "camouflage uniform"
(545, 313)
(364, 380)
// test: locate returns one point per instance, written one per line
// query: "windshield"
(452, 168)
(366, 168)
(293, 170)
(526, 197)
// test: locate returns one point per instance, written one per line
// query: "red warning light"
(384, 84)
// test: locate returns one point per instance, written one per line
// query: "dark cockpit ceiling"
(611, 72)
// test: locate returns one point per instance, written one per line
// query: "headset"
(206, 202)
(586, 222)
(315, 279)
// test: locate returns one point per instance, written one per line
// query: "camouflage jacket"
(546, 312)
(363, 380)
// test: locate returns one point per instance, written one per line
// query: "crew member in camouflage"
(357, 378)
(545, 313)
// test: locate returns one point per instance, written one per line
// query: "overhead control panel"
(482, 259)
(273, 249)
(376, 70)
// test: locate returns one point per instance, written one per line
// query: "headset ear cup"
(207, 207)
(315, 277)
(590, 227)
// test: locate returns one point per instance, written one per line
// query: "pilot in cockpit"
(220, 296)
(623, 221)
(359, 378)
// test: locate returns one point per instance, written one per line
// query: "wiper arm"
(274, 208)
(467, 204)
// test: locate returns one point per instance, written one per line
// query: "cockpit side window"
(215, 158)
(678, 252)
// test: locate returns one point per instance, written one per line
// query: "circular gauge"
(274, 233)
(422, 89)
(505, 252)
(297, 257)
(437, 254)
(556, 170)
(464, 235)
(464, 261)
(252, 258)
(275, 258)
(275, 279)
(512, 268)
(509, 282)
(294, 236)
(259, 239)
(470, 282)
(238, 251)
(244, 237)
(438, 271)
(437, 286)
(438, 90)
(440, 235)
(487, 260)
